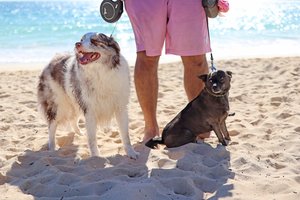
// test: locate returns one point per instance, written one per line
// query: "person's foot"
(150, 133)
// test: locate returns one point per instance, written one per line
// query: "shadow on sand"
(201, 172)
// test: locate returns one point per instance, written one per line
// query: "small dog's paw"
(227, 141)
(131, 153)
(223, 142)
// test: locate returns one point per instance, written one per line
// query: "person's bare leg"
(146, 84)
(194, 66)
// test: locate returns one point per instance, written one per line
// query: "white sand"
(262, 161)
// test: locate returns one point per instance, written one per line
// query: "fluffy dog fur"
(93, 82)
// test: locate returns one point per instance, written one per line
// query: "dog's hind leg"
(75, 127)
(51, 132)
(122, 121)
(91, 127)
(181, 137)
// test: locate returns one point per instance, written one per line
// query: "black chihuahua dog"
(207, 112)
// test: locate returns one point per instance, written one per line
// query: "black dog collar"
(111, 10)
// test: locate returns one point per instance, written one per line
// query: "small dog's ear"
(203, 77)
(229, 73)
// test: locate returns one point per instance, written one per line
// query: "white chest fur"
(104, 90)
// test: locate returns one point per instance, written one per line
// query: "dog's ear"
(229, 73)
(203, 77)
(115, 60)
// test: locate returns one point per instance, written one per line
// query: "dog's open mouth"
(87, 57)
(216, 90)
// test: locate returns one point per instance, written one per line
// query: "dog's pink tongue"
(88, 57)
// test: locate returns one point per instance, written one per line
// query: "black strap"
(212, 67)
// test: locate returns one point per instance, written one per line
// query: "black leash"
(212, 67)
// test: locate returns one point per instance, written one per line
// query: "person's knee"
(144, 61)
(195, 62)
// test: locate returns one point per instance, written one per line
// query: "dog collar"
(215, 95)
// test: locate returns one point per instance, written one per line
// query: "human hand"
(223, 6)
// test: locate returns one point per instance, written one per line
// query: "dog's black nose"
(78, 44)
(214, 86)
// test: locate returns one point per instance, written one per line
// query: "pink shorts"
(181, 24)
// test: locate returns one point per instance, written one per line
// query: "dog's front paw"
(227, 141)
(51, 146)
(94, 152)
(223, 142)
(131, 153)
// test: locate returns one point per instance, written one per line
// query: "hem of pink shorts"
(187, 53)
(150, 53)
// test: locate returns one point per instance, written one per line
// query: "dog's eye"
(97, 43)
(93, 41)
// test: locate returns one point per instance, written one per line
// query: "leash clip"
(212, 67)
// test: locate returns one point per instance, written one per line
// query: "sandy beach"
(261, 162)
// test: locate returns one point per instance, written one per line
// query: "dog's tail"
(154, 142)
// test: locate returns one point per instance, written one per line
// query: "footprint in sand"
(234, 133)
(284, 115)
(266, 137)
(297, 129)
(276, 101)
(275, 165)
(256, 122)
(4, 128)
(180, 186)
(2, 96)
(297, 179)
(29, 104)
(241, 98)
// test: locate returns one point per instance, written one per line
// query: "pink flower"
(223, 6)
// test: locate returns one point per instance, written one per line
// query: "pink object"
(223, 6)
(182, 26)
